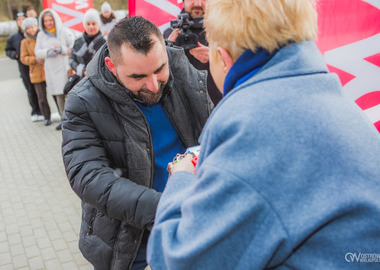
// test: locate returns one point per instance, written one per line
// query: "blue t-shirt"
(166, 142)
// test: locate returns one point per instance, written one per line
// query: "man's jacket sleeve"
(10, 50)
(91, 177)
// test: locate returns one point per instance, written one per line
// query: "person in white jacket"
(108, 19)
(53, 44)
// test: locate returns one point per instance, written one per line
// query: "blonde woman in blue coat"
(288, 175)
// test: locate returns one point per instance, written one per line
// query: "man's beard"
(144, 95)
(196, 12)
(148, 97)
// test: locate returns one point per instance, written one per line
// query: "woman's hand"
(181, 164)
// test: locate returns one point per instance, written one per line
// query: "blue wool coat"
(288, 178)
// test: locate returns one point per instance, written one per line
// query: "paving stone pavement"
(39, 212)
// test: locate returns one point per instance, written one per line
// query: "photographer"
(198, 56)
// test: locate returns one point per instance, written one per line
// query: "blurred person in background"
(88, 44)
(36, 65)
(199, 56)
(107, 17)
(288, 175)
(31, 13)
(12, 50)
(53, 44)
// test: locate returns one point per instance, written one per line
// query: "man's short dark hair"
(135, 32)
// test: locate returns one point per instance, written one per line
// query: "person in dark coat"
(88, 44)
(12, 50)
(198, 57)
(140, 104)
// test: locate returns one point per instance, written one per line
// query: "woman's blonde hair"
(238, 25)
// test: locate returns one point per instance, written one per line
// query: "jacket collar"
(296, 59)
(245, 66)
(292, 60)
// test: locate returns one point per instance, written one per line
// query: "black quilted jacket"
(109, 159)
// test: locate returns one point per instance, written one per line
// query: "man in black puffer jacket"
(140, 104)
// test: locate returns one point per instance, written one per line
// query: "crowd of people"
(48, 56)
(287, 175)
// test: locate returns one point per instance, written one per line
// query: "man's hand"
(201, 53)
(183, 164)
(173, 36)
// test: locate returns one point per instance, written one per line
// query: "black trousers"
(42, 99)
(32, 95)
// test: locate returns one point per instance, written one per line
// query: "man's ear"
(110, 65)
(226, 58)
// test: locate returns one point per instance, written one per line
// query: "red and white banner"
(349, 38)
(71, 12)
(158, 11)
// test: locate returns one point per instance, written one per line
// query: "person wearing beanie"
(12, 50)
(36, 65)
(87, 44)
(108, 18)
(54, 43)
(106, 7)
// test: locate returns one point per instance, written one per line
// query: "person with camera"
(198, 55)
(140, 103)
(288, 175)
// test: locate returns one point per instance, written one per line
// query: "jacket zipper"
(151, 150)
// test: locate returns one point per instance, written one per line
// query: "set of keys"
(194, 151)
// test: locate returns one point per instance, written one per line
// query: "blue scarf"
(244, 68)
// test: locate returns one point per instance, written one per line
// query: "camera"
(187, 39)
